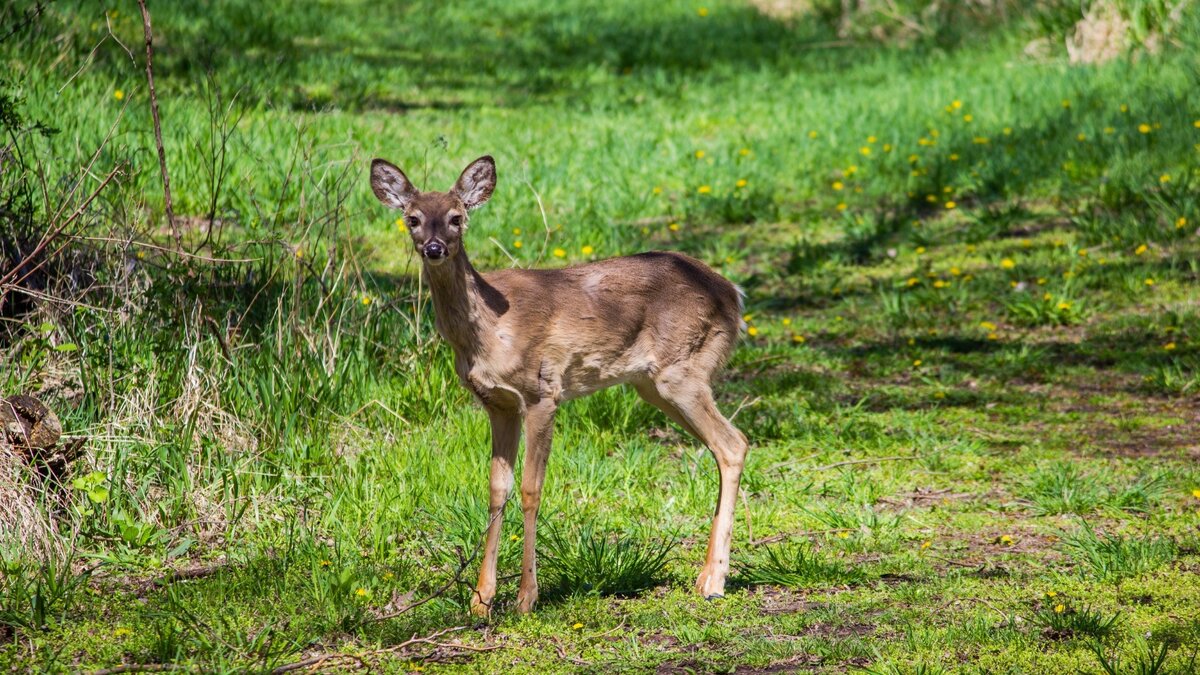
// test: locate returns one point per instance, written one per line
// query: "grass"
(971, 277)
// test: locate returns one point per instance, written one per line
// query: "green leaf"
(67, 347)
(98, 494)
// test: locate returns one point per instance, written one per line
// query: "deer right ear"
(390, 185)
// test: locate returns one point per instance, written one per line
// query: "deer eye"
(412, 222)
(456, 221)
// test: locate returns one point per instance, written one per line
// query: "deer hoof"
(715, 596)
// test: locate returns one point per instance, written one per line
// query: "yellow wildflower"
(118, 94)
(1179, 224)
(560, 253)
(657, 189)
(926, 544)
(744, 152)
(1064, 305)
(122, 632)
(1081, 137)
(1008, 263)
(865, 150)
(1144, 128)
(798, 339)
(786, 321)
(1196, 493)
(1060, 608)
(987, 325)
(741, 183)
(366, 300)
(1170, 346)
(516, 230)
(586, 250)
(703, 11)
(674, 227)
(699, 154)
(362, 592)
(812, 134)
(704, 189)
(1051, 594)
(837, 185)
(950, 204)
(1149, 281)
(577, 626)
(752, 331)
(913, 281)
(1140, 249)
(517, 244)
(956, 104)
(843, 535)
(968, 118)
(1005, 540)
(841, 206)
(917, 363)
(1165, 178)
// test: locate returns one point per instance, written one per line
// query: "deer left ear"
(474, 187)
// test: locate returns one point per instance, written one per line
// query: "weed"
(1114, 557)
(592, 559)
(794, 565)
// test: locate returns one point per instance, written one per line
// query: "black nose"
(434, 250)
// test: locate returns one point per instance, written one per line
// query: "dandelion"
(752, 331)
(560, 253)
(1165, 178)
(887, 147)
(913, 281)
(786, 321)
(674, 227)
(851, 170)
(956, 104)
(865, 150)
(980, 140)
(1179, 224)
(704, 189)
(940, 284)
(912, 159)
(954, 157)
(324, 563)
(1124, 107)
(1141, 249)
(926, 544)
(1109, 130)
(362, 593)
(968, 118)
(1149, 282)
(699, 154)
(703, 11)
(798, 339)
(1005, 540)
(1081, 137)
(744, 152)
(843, 535)
(1008, 263)
(841, 206)
(514, 537)
(1041, 281)
(141, 255)
(299, 253)
(871, 139)
(577, 626)
(657, 189)
(1060, 608)
(1196, 124)
(950, 205)
(987, 325)
(954, 271)
(1064, 305)
(388, 576)
(400, 223)
(366, 300)
(838, 185)
(1144, 128)
(920, 250)
(119, 95)
(517, 231)
(812, 134)
(1196, 493)
(517, 244)
(917, 363)
(1046, 296)
(122, 632)
(587, 250)
(1170, 347)
(993, 336)
(741, 183)
(1051, 594)
(1007, 131)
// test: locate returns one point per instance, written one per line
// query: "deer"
(527, 340)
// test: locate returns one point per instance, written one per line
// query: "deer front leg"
(506, 434)
(539, 428)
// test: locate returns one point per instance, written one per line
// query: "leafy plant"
(794, 564)
(590, 559)
(1111, 556)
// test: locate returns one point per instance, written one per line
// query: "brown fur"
(526, 340)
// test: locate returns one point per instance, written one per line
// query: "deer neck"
(462, 314)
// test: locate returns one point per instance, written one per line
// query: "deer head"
(436, 221)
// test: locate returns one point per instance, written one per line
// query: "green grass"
(971, 377)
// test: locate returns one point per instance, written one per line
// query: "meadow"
(970, 376)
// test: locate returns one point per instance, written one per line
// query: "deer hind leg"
(506, 435)
(539, 429)
(689, 393)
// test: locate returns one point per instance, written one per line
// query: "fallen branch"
(431, 640)
(140, 668)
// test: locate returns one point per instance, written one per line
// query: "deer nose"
(434, 250)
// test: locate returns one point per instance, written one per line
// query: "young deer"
(526, 340)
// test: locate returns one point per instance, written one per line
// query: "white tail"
(526, 340)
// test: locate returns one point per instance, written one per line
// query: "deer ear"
(475, 185)
(390, 185)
